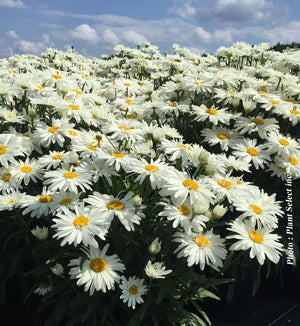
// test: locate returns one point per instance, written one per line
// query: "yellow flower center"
(256, 209)
(40, 87)
(263, 86)
(199, 83)
(124, 128)
(185, 147)
(184, 210)
(211, 111)
(152, 168)
(256, 237)
(133, 289)
(225, 184)
(129, 101)
(252, 151)
(258, 121)
(77, 91)
(57, 157)
(66, 201)
(119, 155)
(73, 133)
(190, 184)
(53, 129)
(283, 142)
(2, 149)
(223, 136)
(132, 116)
(56, 76)
(293, 160)
(280, 168)
(262, 92)
(98, 265)
(70, 175)
(115, 204)
(81, 221)
(92, 147)
(6, 177)
(173, 105)
(127, 84)
(294, 112)
(201, 241)
(10, 201)
(73, 107)
(45, 199)
(231, 92)
(274, 102)
(26, 169)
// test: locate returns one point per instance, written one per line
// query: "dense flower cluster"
(140, 146)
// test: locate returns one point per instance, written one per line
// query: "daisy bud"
(98, 136)
(203, 157)
(208, 214)
(210, 168)
(235, 102)
(57, 269)
(155, 246)
(219, 211)
(137, 201)
(150, 143)
(249, 105)
(201, 207)
(32, 112)
(40, 233)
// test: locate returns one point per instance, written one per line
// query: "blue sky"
(95, 27)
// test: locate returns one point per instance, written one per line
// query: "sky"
(95, 27)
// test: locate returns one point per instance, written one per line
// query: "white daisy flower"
(280, 144)
(181, 186)
(27, 171)
(51, 160)
(201, 248)
(250, 151)
(260, 241)
(41, 206)
(64, 200)
(220, 135)
(98, 271)
(132, 290)
(8, 182)
(261, 209)
(10, 147)
(80, 226)
(213, 114)
(109, 206)
(65, 180)
(156, 170)
(257, 124)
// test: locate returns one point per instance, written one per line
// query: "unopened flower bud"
(219, 211)
(40, 233)
(32, 112)
(98, 136)
(57, 269)
(200, 207)
(208, 214)
(155, 246)
(137, 201)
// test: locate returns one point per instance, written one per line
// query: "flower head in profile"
(156, 270)
(132, 290)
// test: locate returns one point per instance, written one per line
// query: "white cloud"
(12, 4)
(84, 33)
(231, 10)
(203, 35)
(12, 34)
(134, 37)
(110, 37)
(31, 47)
